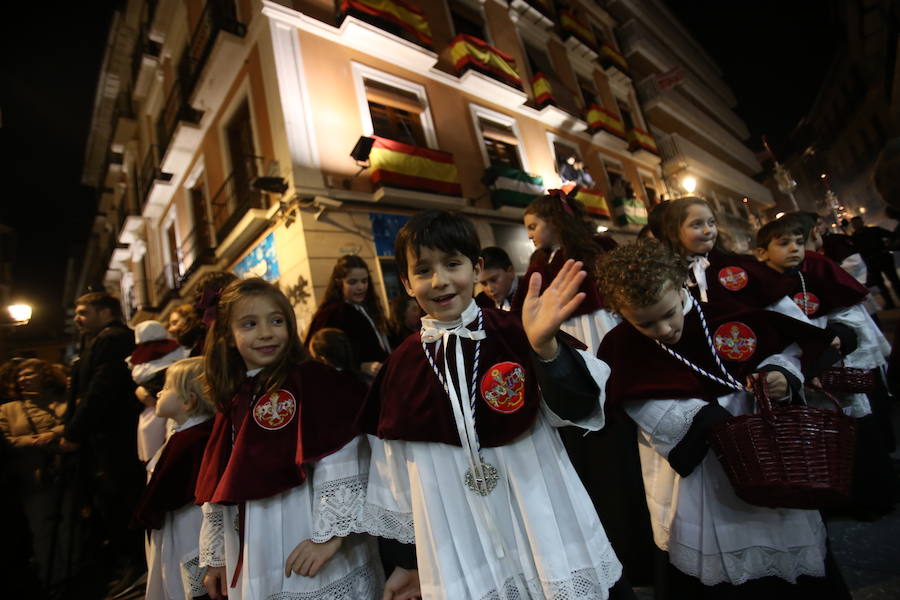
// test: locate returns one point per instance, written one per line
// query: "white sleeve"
(212, 536)
(595, 421)
(789, 359)
(388, 508)
(339, 490)
(854, 265)
(788, 308)
(664, 422)
(872, 347)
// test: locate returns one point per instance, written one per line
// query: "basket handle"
(829, 395)
(761, 394)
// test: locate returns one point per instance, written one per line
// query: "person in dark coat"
(871, 244)
(101, 425)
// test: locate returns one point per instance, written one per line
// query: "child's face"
(170, 405)
(662, 321)
(540, 233)
(260, 331)
(698, 230)
(497, 282)
(784, 252)
(355, 285)
(442, 283)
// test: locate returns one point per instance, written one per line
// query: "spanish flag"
(640, 139)
(469, 52)
(610, 56)
(395, 164)
(571, 26)
(593, 200)
(407, 16)
(599, 118)
(543, 92)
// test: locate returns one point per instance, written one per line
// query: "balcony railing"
(167, 282)
(400, 18)
(236, 196)
(543, 7)
(196, 250)
(143, 47)
(217, 16)
(176, 109)
(398, 165)
(150, 173)
(468, 52)
(600, 119)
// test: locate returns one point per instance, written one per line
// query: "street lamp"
(18, 314)
(689, 184)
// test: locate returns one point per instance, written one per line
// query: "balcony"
(396, 17)
(680, 154)
(167, 283)
(239, 212)
(606, 127)
(614, 64)
(578, 37)
(671, 112)
(154, 187)
(414, 176)
(536, 11)
(486, 72)
(175, 116)
(512, 187)
(144, 61)
(196, 251)
(123, 121)
(642, 144)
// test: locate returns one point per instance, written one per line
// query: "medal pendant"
(482, 486)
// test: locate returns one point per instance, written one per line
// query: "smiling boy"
(470, 487)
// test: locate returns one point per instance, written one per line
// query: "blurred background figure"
(404, 319)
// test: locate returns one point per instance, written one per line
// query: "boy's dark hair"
(805, 220)
(332, 347)
(777, 228)
(101, 300)
(443, 230)
(495, 258)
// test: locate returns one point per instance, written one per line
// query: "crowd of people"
(548, 437)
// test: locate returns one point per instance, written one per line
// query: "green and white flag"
(629, 211)
(512, 187)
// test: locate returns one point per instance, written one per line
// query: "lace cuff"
(212, 536)
(381, 522)
(192, 574)
(338, 504)
(665, 422)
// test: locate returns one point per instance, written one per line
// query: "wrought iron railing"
(176, 109)
(236, 196)
(217, 15)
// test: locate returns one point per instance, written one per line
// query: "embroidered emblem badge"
(735, 341)
(808, 303)
(733, 278)
(503, 387)
(275, 410)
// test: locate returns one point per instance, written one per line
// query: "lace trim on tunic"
(365, 582)
(750, 563)
(584, 584)
(338, 504)
(381, 522)
(193, 573)
(212, 536)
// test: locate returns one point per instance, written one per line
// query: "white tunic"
(709, 532)
(173, 567)
(324, 506)
(536, 535)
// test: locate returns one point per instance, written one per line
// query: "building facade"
(223, 133)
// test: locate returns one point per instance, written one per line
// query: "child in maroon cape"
(470, 487)
(716, 274)
(166, 508)
(834, 300)
(677, 367)
(284, 470)
(351, 305)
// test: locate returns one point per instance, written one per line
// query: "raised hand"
(542, 314)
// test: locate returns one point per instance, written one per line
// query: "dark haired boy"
(497, 279)
(465, 462)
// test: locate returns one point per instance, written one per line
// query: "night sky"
(773, 54)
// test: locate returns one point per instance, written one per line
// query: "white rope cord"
(805, 300)
(729, 381)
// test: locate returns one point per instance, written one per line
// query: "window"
(395, 114)
(627, 118)
(467, 20)
(618, 185)
(539, 62)
(650, 191)
(501, 144)
(588, 91)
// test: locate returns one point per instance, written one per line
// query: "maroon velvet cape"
(407, 401)
(175, 476)
(268, 457)
(741, 281)
(641, 370)
(593, 300)
(342, 315)
(832, 286)
(838, 247)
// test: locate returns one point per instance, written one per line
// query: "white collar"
(254, 372)
(433, 330)
(191, 421)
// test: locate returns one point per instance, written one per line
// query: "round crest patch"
(808, 303)
(503, 387)
(733, 278)
(275, 410)
(735, 341)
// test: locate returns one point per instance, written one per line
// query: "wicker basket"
(848, 380)
(788, 456)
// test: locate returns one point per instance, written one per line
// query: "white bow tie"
(698, 268)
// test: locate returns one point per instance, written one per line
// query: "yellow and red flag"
(395, 164)
(409, 17)
(600, 118)
(593, 200)
(638, 138)
(543, 92)
(611, 56)
(470, 52)
(571, 25)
